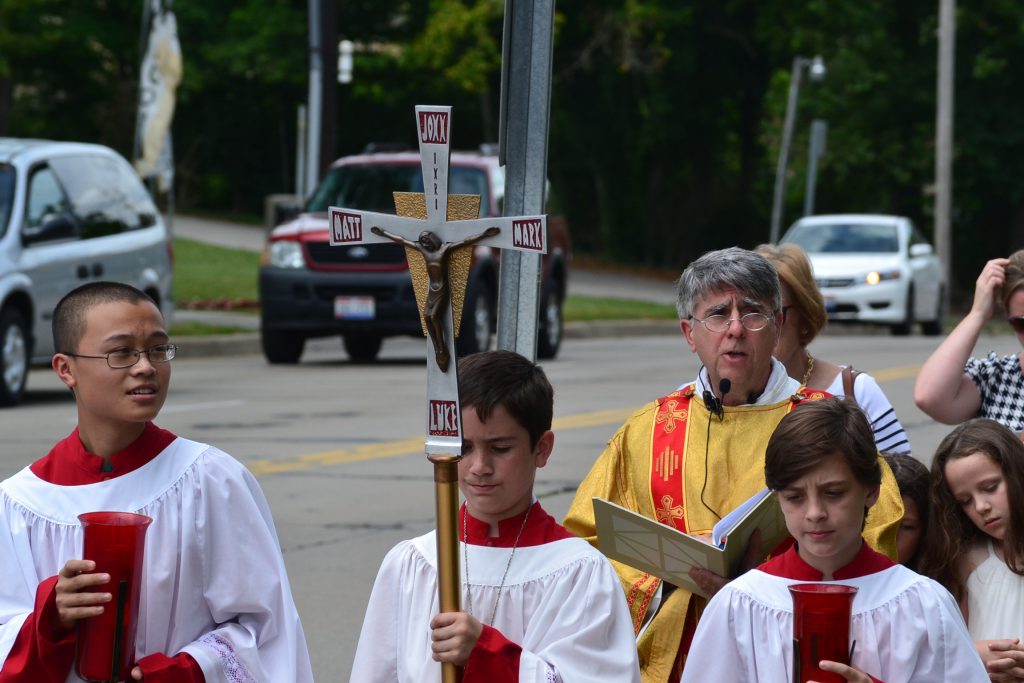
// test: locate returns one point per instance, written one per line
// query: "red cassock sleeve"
(44, 650)
(494, 659)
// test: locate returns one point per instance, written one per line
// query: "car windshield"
(845, 238)
(368, 187)
(6, 196)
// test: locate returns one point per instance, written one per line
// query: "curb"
(248, 343)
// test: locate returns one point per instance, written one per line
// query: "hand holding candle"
(821, 632)
(75, 598)
(113, 544)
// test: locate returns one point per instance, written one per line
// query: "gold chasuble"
(659, 462)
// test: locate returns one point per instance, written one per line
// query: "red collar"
(790, 565)
(541, 528)
(69, 464)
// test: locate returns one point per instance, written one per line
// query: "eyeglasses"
(1017, 323)
(752, 322)
(785, 311)
(126, 358)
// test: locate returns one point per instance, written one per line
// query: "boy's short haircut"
(68, 324)
(815, 431)
(504, 378)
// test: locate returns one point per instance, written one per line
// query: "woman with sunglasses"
(953, 386)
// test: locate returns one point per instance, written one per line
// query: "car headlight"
(876, 276)
(285, 254)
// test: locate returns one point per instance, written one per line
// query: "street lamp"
(816, 70)
(345, 49)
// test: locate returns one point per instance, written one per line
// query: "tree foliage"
(665, 121)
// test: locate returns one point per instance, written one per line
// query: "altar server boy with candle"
(822, 464)
(215, 603)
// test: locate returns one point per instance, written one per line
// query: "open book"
(667, 553)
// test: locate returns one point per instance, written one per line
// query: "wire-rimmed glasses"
(751, 322)
(126, 358)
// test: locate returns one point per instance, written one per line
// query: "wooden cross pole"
(439, 249)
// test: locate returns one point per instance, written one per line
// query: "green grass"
(204, 272)
(579, 308)
(192, 329)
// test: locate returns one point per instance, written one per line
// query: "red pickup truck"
(364, 293)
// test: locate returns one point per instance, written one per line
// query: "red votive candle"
(821, 629)
(106, 643)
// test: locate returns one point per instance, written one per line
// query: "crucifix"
(439, 232)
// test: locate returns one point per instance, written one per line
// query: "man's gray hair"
(745, 271)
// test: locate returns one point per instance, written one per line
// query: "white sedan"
(874, 269)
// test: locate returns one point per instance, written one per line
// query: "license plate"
(354, 307)
(830, 304)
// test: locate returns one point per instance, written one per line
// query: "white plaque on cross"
(435, 238)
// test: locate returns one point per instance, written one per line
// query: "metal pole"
(787, 136)
(819, 131)
(523, 148)
(300, 153)
(944, 139)
(312, 175)
(449, 581)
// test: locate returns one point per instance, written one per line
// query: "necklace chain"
(465, 561)
(810, 368)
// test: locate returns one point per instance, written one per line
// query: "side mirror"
(53, 226)
(920, 249)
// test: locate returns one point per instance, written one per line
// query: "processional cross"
(439, 232)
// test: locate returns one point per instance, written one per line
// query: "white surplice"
(561, 602)
(907, 628)
(214, 583)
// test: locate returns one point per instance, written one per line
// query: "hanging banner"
(159, 76)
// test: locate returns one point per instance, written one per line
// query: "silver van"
(70, 213)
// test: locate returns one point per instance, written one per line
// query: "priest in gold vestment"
(689, 458)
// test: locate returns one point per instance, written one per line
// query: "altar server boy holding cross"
(540, 604)
(822, 463)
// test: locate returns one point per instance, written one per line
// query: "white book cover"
(669, 554)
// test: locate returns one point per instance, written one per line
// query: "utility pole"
(944, 140)
(817, 72)
(328, 85)
(313, 105)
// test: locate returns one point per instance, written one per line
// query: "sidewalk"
(582, 282)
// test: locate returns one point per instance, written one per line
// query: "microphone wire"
(715, 406)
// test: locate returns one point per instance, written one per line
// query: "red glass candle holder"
(106, 643)
(821, 629)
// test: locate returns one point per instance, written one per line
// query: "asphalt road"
(338, 447)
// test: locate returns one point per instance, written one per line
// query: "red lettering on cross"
(528, 234)
(346, 227)
(443, 418)
(434, 127)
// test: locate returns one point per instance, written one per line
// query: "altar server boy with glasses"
(215, 603)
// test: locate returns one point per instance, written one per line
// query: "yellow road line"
(390, 449)
(901, 372)
(412, 446)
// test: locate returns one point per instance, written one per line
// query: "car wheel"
(549, 334)
(477, 319)
(362, 348)
(902, 329)
(14, 353)
(282, 348)
(933, 328)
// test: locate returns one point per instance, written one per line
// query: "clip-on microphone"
(714, 403)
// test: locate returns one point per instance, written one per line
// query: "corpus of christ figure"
(435, 254)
